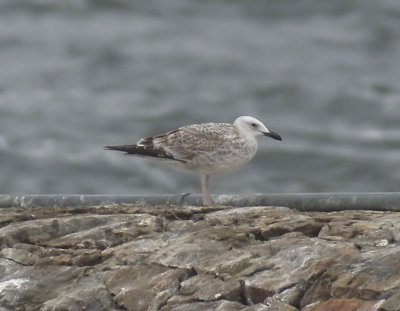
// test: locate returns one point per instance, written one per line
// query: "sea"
(76, 75)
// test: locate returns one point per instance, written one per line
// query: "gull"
(206, 149)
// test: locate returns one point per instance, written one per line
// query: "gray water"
(77, 75)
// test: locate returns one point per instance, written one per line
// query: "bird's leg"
(205, 190)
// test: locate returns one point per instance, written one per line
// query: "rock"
(294, 260)
(222, 305)
(293, 295)
(391, 304)
(367, 277)
(87, 294)
(345, 305)
(206, 287)
(21, 256)
(274, 304)
(143, 287)
(364, 233)
(125, 257)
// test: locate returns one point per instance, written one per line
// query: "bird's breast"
(224, 159)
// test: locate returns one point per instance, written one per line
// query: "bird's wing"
(189, 141)
(182, 144)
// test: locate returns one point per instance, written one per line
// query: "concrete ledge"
(386, 201)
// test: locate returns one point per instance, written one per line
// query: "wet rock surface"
(170, 258)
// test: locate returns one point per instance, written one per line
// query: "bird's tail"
(130, 149)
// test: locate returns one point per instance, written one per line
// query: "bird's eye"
(253, 125)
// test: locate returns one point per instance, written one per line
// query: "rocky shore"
(183, 258)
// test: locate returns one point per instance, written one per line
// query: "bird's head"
(254, 127)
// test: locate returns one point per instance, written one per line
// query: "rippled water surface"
(77, 75)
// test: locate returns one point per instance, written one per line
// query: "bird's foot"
(183, 197)
(207, 201)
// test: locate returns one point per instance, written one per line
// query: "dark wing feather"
(145, 151)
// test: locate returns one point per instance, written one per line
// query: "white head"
(251, 126)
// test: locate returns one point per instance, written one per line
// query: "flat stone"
(19, 255)
(294, 260)
(344, 305)
(209, 306)
(274, 304)
(366, 230)
(87, 294)
(391, 304)
(206, 287)
(33, 286)
(366, 276)
(143, 287)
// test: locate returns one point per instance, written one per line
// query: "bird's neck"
(249, 137)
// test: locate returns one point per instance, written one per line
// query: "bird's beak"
(273, 135)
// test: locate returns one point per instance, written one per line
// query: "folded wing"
(180, 145)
